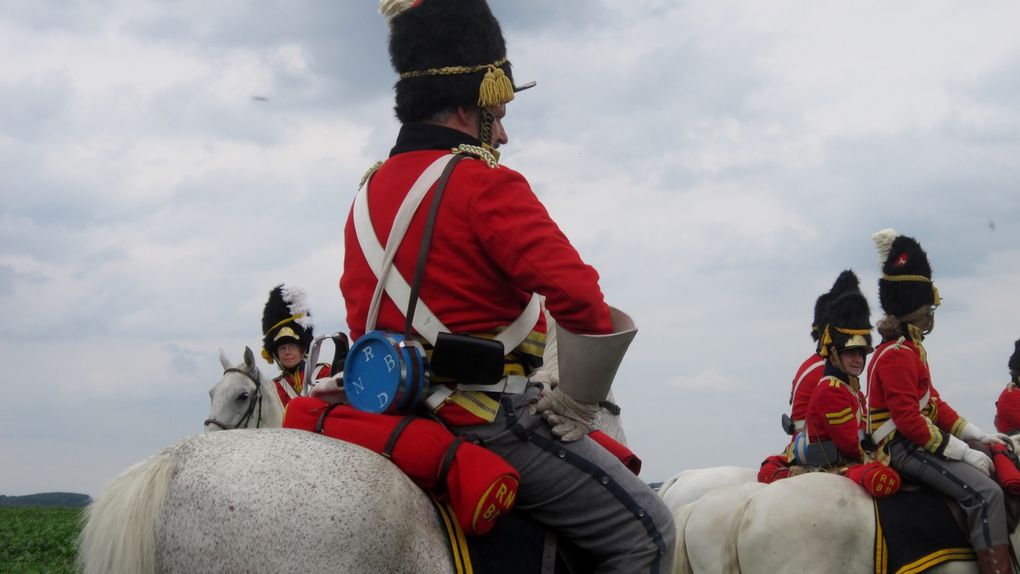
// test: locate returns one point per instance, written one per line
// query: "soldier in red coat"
(805, 380)
(810, 371)
(914, 428)
(493, 246)
(1007, 408)
(836, 410)
(287, 331)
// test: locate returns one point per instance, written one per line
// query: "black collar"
(418, 136)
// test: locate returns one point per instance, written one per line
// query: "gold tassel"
(266, 356)
(496, 88)
(825, 342)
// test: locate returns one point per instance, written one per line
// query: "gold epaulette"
(369, 173)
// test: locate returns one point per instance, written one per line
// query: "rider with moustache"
(915, 430)
(493, 246)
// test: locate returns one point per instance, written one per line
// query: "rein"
(254, 401)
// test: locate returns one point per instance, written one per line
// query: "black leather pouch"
(469, 360)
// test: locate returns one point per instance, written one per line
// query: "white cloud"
(718, 162)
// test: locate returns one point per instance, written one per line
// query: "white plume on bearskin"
(391, 8)
(883, 242)
(297, 300)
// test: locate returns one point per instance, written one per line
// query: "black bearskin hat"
(847, 324)
(1014, 360)
(448, 53)
(285, 318)
(906, 282)
(847, 281)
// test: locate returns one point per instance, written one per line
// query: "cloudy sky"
(164, 164)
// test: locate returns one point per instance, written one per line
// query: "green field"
(38, 539)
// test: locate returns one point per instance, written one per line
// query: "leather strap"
(426, 240)
(380, 260)
(444, 467)
(391, 443)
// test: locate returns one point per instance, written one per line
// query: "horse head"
(243, 398)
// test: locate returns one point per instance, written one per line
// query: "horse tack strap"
(444, 467)
(320, 426)
(391, 443)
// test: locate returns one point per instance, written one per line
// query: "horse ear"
(224, 360)
(249, 358)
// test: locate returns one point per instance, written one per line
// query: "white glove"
(570, 420)
(958, 450)
(972, 432)
(980, 461)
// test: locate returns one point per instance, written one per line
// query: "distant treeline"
(67, 499)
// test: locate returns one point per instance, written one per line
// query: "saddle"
(515, 544)
(915, 530)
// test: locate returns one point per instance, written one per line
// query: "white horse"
(688, 486)
(223, 502)
(226, 497)
(815, 522)
(704, 503)
(243, 398)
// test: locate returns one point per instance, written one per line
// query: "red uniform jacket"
(804, 384)
(898, 377)
(836, 413)
(494, 244)
(1007, 410)
(295, 379)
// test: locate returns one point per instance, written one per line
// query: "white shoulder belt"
(886, 428)
(396, 287)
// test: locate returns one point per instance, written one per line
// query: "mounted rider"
(287, 331)
(919, 434)
(811, 370)
(836, 418)
(1007, 408)
(493, 246)
(806, 379)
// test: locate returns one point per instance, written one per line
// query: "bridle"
(255, 401)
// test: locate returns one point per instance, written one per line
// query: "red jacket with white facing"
(898, 378)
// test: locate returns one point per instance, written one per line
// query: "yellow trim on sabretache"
(458, 542)
(881, 551)
(936, 558)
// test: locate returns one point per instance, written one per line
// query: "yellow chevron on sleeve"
(840, 417)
